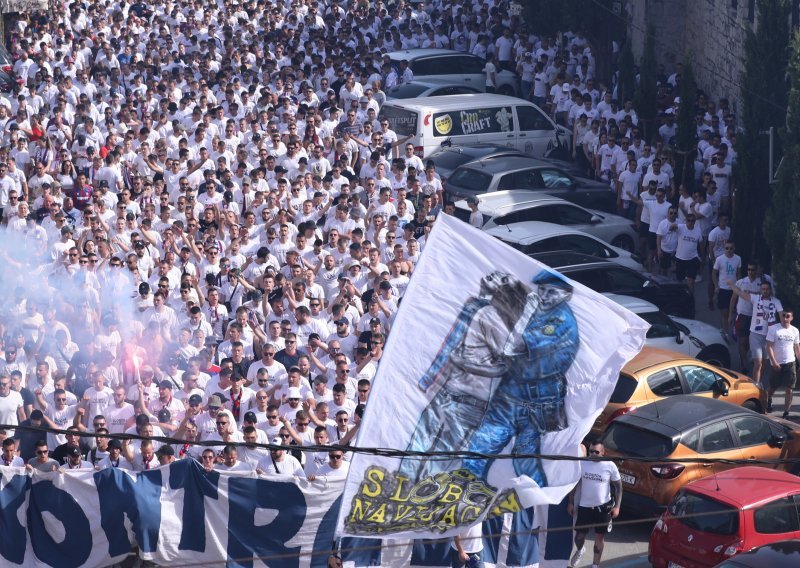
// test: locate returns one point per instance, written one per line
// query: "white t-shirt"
(8, 408)
(727, 268)
(783, 340)
(669, 239)
(657, 212)
(765, 313)
(331, 473)
(287, 466)
(596, 478)
(687, 242)
(471, 539)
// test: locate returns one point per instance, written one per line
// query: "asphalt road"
(626, 545)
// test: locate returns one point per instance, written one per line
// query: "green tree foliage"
(782, 222)
(764, 92)
(646, 104)
(686, 136)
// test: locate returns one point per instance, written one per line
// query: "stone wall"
(709, 33)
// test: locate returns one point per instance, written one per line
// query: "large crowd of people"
(207, 224)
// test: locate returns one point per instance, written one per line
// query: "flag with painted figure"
(491, 353)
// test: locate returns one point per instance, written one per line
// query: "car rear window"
(702, 513)
(624, 389)
(451, 160)
(633, 441)
(402, 121)
(470, 180)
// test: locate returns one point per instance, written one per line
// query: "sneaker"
(786, 414)
(576, 558)
(769, 405)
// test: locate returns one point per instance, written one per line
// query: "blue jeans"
(446, 424)
(524, 411)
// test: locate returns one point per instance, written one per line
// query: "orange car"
(655, 374)
(671, 432)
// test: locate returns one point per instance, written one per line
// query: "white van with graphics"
(472, 119)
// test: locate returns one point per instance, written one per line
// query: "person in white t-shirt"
(230, 460)
(475, 216)
(336, 468)
(279, 462)
(783, 347)
(467, 546)
(687, 253)
(667, 240)
(12, 407)
(597, 505)
(727, 266)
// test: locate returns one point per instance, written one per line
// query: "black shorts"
(686, 268)
(598, 518)
(652, 240)
(666, 260)
(644, 229)
(724, 299)
(743, 325)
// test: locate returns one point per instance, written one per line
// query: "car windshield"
(467, 179)
(407, 91)
(632, 441)
(660, 324)
(704, 514)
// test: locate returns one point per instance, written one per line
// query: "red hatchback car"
(720, 516)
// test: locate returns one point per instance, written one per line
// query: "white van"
(472, 119)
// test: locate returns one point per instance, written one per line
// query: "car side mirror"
(777, 440)
(646, 284)
(679, 338)
(595, 219)
(721, 387)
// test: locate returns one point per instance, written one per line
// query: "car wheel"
(716, 355)
(625, 242)
(753, 405)
(507, 90)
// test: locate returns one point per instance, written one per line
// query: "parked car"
(431, 88)
(533, 237)
(783, 554)
(655, 374)
(715, 519)
(517, 172)
(604, 276)
(8, 79)
(454, 66)
(690, 427)
(691, 338)
(449, 156)
(507, 207)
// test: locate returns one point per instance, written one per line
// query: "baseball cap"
(195, 400)
(294, 392)
(384, 285)
(277, 440)
(215, 401)
(250, 417)
(342, 321)
(74, 452)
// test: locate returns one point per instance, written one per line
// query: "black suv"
(604, 276)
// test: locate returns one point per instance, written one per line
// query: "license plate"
(628, 478)
(672, 564)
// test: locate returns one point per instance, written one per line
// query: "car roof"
(747, 487)
(412, 54)
(526, 232)
(455, 102)
(681, 413)
(505, 164)
(650, 356)
(566, 259)
(498, 202)
(433, 82)
(635, 305)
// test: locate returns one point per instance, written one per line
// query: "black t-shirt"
(419, 227)
(60, 453)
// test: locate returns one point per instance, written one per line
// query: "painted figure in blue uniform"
(466, 371)
(529, 400)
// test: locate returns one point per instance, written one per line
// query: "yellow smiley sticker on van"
(443, 124)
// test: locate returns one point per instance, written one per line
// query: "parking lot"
(626, 545)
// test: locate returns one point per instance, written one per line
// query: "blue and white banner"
(491, 353)
(182, 515)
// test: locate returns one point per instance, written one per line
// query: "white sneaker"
(576, 558)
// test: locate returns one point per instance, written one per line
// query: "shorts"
(724, 298)
(786, 377)
(758, 346)
(644, 229)
(742, 324)
(598, 517)
(652, 240)
(666, 260)
(686, 268)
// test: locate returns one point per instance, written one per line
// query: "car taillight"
(7, 68)
(661, 526)
(419, 151)
(620, 412)
(668, 470)
(730, 550)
